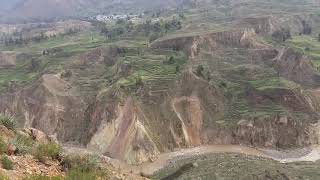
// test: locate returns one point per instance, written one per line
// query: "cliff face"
(123, 136)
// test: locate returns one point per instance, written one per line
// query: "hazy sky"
(6, 4)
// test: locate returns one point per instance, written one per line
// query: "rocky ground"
(27, 165)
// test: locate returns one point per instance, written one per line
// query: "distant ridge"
(24, 10)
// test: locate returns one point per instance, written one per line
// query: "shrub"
(83, 168)
(200, 69)
(22, 143)
(84, 163)
(8, 121)
(139, 81)
(177, 69)
(49, 150)
(66, 74)
(78, 174)
(6, 163)
(169, 61)
(3, 146)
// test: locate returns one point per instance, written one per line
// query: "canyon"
(249, 85)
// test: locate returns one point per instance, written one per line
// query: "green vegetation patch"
(150, 68)
(49, 150)
(238, 80)
(84, 167)
(3, 145)
(46, 56)
(8, 121)
(308, 45)
(23, 144)
(6, 163)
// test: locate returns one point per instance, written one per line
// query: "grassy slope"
(308, 45)
(71, 46)
(147, 64)
(232, 71)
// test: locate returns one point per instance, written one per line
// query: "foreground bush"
(49, 150)
(6, 163)
(83, 163)
(79, 174)
(8, 121)
(83, 168)
(3, 146)
(22, 143)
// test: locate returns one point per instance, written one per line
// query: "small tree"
(177, 69)
(171, 60)
(139, 81)
(200, 69)
(182, 16)
(34, 64)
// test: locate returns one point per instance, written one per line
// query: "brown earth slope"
(223, 103)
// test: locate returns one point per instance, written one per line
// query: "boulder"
(11, 149)
(39, 136)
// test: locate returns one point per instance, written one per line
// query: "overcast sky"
(6, 4)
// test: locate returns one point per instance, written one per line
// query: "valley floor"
(164, 160)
